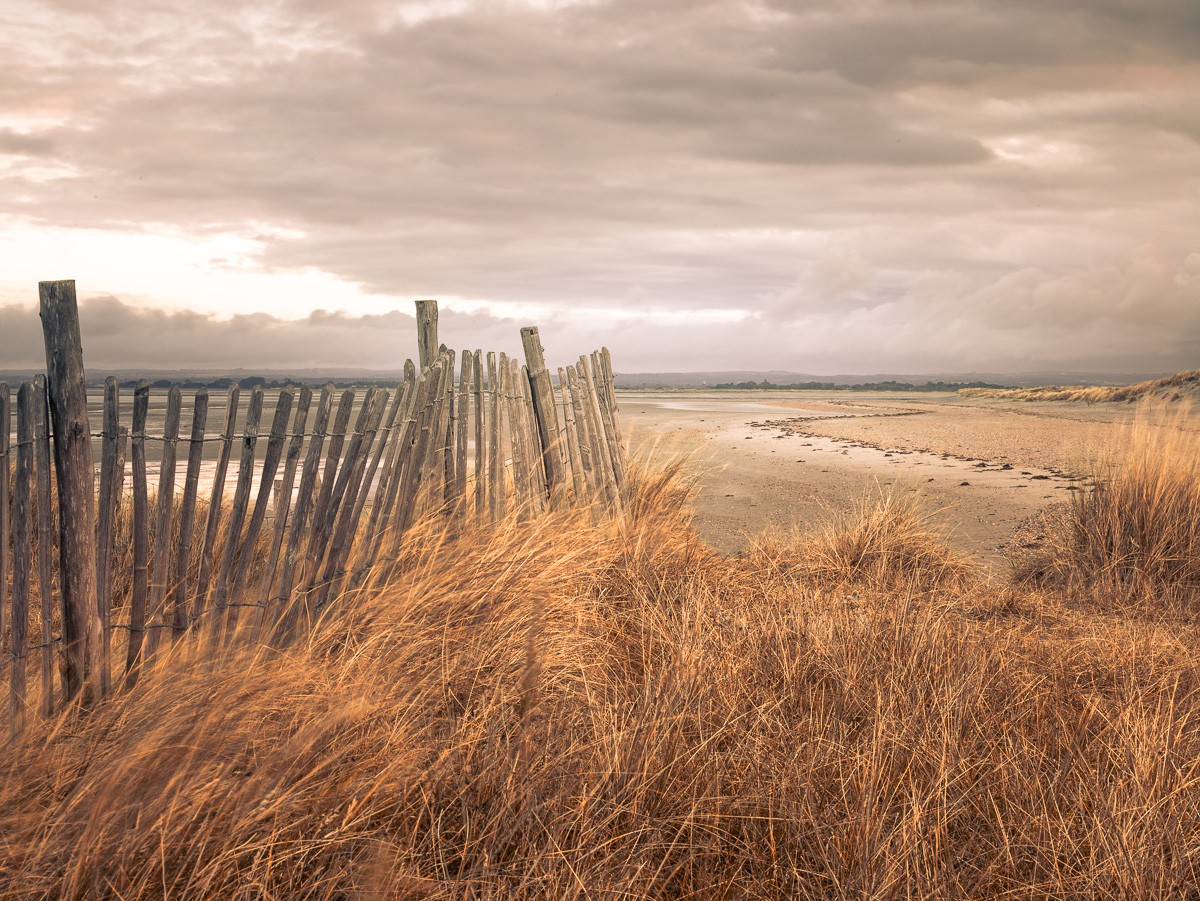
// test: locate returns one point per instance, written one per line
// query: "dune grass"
(564, 709)
(1180, 386)
(1134, 540)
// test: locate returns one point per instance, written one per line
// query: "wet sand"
(774, 460)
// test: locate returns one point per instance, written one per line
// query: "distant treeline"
(866, 386)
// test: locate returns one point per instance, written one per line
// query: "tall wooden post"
(76, 483)
(427, 332)
(542, 393)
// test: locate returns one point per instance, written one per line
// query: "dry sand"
(773, 460)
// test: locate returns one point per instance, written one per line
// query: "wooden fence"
(344, 474)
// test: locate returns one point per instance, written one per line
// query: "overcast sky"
(820, 186)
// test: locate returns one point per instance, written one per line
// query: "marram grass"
(559, 709)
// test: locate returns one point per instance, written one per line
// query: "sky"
(823, 187)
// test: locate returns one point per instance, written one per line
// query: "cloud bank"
(815, 186)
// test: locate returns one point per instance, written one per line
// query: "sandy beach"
(774, 460)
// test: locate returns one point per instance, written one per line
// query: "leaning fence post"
(141, 532)
(45, 541)
(76, 482)
(109, 502)
(542, 393)
(427, 332)
(187, 513)
(161, 571)
(5, 425)
(480, 440)
(22, 552)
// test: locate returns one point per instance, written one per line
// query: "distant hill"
(1180, 386)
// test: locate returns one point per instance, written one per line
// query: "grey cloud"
(117, 335)
(23, 144)
(652, 154)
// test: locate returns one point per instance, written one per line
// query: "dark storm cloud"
(967, 182)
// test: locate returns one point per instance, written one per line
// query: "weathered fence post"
(480, 440)
(427, 332)
(495, 441)
(5, 426)
(187, 513)
(76, 483)
(161, 572)
(109, 501)
(22, 554)
(45, 541)
(141, 532)
(577, 476)
(542, 393)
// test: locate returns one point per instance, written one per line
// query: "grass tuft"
(1133, 540)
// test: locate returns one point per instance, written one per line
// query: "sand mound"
(1180, 386)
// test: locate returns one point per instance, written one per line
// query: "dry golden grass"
(558, 709)
(1180, 386)
(1133, 542)
(888, 540)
